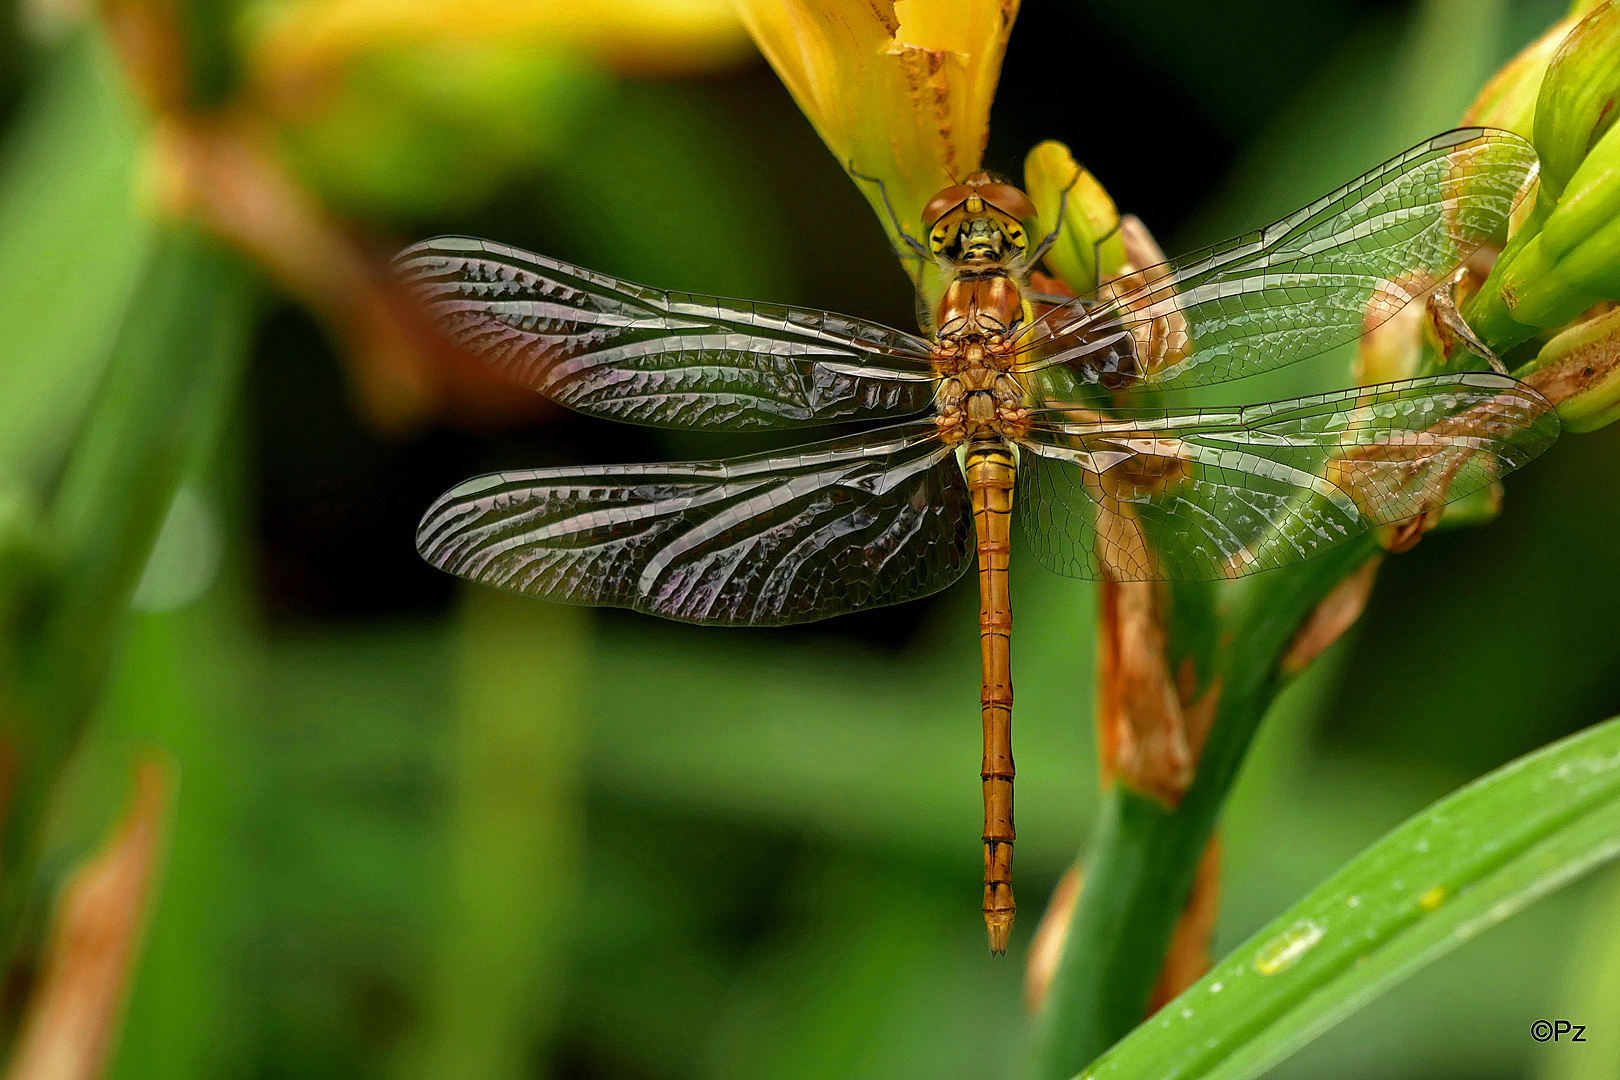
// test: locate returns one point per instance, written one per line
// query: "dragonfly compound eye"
(944, 203)
(1009, 200)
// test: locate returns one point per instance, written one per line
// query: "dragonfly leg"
(1051, 238)
(1443, 306)
(917, 249)
(1096, 249)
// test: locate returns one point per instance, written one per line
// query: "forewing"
(614, 349)
(1315, 280)
(756, 541)
(1204, 495)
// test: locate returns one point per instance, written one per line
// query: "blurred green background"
(425, 831)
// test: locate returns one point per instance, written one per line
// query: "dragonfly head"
(979, 222)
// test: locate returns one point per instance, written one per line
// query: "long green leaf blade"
(71, 248)
(170, 378)
(1460, 867)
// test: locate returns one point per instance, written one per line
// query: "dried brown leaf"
(72, 1017)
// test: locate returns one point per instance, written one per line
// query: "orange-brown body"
(984, 305)
(976, 232)
(977, 236)
(990, 471)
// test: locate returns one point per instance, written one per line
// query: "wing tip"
(1475, 133)
(448, 244)
(435, 534)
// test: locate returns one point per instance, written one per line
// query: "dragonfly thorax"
(981, 401)
(979, 306)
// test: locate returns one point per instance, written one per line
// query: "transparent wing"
(611, 348)
(1216, 494)
(756, 541)
(1317, 279)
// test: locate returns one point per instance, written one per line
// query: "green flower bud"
(1562, 260)
(1576, 106)
(1089, 227)
(1525, 293)
(1590, 205)
(1579, 372)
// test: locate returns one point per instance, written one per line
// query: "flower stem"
(1145, 854)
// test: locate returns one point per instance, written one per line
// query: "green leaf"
(1593, 996)
(71, 246)
(1458, 868)
(156, 412)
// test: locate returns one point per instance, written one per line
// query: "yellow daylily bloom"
(295, 39)
(899, 90)
(403, 108)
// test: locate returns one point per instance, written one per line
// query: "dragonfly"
(1002, 395)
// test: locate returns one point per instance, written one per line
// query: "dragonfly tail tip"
(999, 924)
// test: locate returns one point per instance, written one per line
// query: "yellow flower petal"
(295, 39)
(899, 90)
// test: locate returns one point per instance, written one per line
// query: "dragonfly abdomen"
(990, 474)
